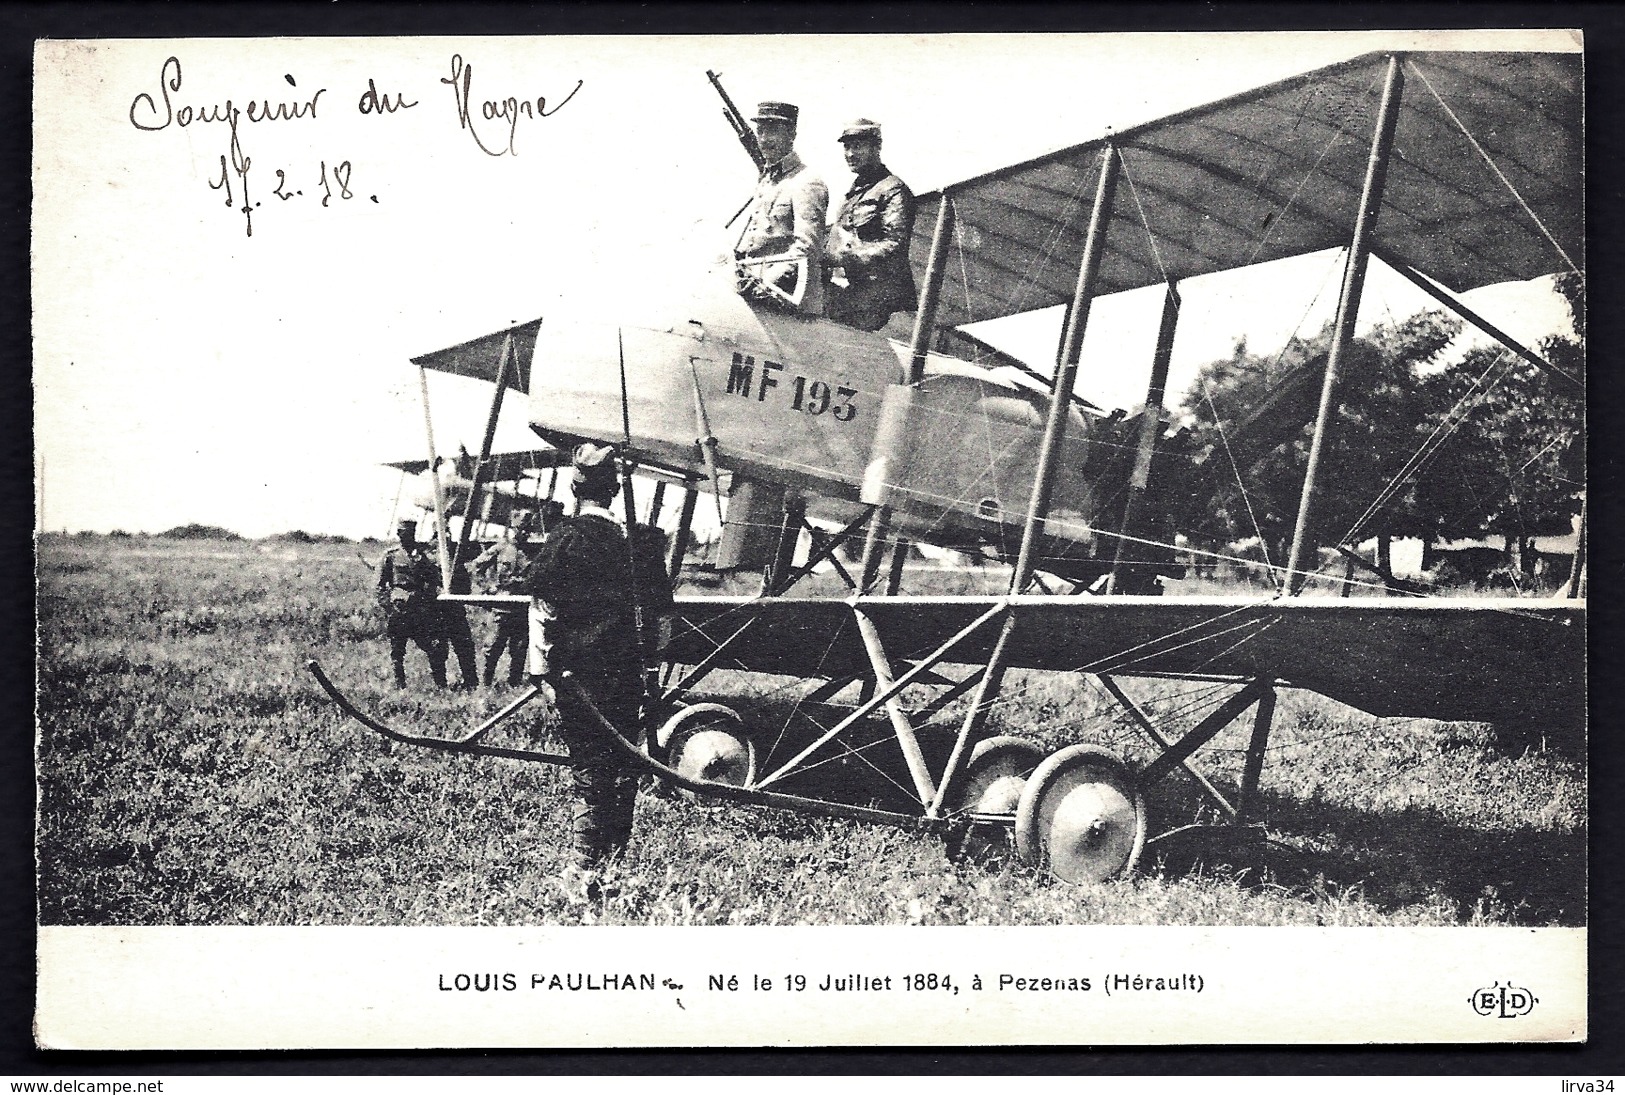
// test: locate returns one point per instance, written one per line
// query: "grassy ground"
(190, 772)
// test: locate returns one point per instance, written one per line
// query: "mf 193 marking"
(814, 397)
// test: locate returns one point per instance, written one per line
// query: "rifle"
(741, 127)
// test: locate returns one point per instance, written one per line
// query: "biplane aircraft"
(1455, 169)
(497, 504)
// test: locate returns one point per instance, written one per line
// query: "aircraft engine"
(958, 452)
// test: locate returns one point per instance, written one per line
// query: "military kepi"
(860, 129)
(776, 112)
(593, 463)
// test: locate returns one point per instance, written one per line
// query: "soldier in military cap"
(408, 582)
(590, 590)
(452, 619)
(867, 250)
(786, 222)
(501, 569)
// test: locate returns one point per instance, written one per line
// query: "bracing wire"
(1506, 182)
(1052, 243)
(1145, 220)
(1430, 447)
(395, 506)
(795, 708)
(1252, 517)
(1338, 134)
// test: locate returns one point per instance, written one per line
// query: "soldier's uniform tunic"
(787, 214)
(453, 622)
(877, 223)
(503, 568)
(582, 581)
(408, 582)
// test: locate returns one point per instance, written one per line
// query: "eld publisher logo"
(1506, 1001)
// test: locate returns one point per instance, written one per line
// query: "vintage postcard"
(1031, 539)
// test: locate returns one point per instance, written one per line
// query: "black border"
(20, 26)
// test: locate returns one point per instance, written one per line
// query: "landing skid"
(749, 796)
(468, 743)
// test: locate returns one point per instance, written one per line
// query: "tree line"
(1484, 445)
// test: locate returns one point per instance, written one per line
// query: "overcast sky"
(185, 371)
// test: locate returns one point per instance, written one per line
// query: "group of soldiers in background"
(408, 589)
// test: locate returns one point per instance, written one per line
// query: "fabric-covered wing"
(502, 466)
(1477, 660)
(482, 357)
(1277, 172)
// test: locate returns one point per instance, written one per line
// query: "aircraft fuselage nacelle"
(808, 404)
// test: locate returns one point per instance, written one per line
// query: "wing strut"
(482, 466)
(1066, 375)
(1150, 427)
(1348, 308)
(434, 478)
(919, 344)
(707, 440)
(647, 674)
(1415, 277)
(1577, 569)
(679, 541)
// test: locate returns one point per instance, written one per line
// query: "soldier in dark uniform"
(867, 247)
(592, 590)
(502, 569)
(453, 623)
(408, 582)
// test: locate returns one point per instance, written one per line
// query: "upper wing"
(500, 466)
(1485, 185)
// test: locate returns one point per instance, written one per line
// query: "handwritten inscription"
(498, 111)
(333, 179)
(373, 103)
(234, 162)
(258, 110)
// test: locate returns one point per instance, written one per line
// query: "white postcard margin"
(332, 987)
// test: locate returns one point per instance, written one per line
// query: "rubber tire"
(1080, 796)
(709, 741)
(999, 794)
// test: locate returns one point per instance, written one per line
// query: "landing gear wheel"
(994, 776)
(708, 741)
(1081, 816)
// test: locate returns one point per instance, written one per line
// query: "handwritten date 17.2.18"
(332, 183)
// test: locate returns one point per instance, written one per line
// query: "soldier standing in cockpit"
(786, 221)
(867, 252)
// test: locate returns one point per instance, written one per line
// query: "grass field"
(191, 772)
